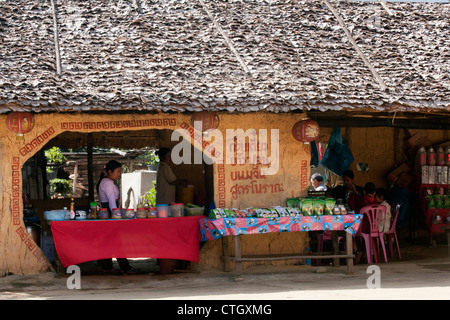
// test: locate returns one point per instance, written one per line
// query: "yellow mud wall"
(382, 148)
(243, 186)
(20, 255)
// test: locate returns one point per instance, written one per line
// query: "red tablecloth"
(163, 238)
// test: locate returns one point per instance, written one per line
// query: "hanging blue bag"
(338, 156)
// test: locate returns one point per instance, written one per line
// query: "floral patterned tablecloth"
(211, 229)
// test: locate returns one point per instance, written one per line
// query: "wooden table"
(234, 228)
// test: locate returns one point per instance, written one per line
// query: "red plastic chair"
(369, 230)
(392, 233)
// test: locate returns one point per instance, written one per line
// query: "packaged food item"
(152, 213)
(336, 210)
(251, 212)
(329, 205)
(116, 213)
(282, 212)
(446, 201)
(240, 213)
(93, 210)
(318, 206)
(342, 209)
(292, 202)
(141, 212)
(293, 212)
(176, 210)
(103, 213)
(162, 210)
(217, 213)
(430, 202)
(129, 214)
(307, 207)
(438, 201)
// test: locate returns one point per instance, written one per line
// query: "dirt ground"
(422, 273)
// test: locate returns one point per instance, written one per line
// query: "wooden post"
(237, 254)
(226, 254)
(90, 164)
(335, 242)
(349, 245)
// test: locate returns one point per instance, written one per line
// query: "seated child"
(369, 195)
(385, 222)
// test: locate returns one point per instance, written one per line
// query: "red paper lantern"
(208, 119)
(20, 123)
(306, 130)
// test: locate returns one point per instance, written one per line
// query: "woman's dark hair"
(381, 192)
(110, 166)
(369, 187)
(349, 173)
(161, 153)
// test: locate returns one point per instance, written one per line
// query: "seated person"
(317, 182)
(369, 195)
(349, 192)
(385, 222)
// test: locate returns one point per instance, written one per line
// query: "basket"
(194, 211)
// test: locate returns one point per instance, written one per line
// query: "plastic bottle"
(431, 157)
(72, 210)
(440, 157)
(421, 157)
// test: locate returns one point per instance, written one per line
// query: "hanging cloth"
(338, 156)
(314, 155)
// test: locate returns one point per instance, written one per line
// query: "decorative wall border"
(37, 141)
(221, 188)
(118, 124)
(16, 199)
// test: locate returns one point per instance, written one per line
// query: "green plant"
(150, 196)
(149, 157)
(54, 155)
(61, 186)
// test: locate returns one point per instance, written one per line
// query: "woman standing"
(166, 179)
(108, 193)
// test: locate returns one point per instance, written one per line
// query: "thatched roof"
(233, 55)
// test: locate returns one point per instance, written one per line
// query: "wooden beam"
(90, 147)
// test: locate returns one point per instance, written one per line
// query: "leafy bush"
(54, 155)
(61, 186)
